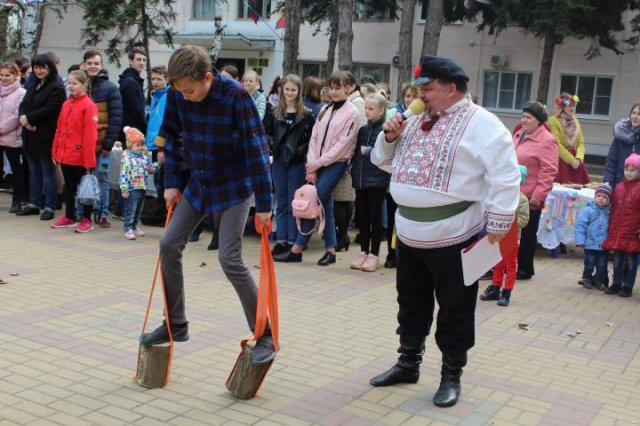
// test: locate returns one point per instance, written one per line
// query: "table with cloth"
(560, 214)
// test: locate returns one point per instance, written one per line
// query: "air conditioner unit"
(499, 61)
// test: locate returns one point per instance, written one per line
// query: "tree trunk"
(293, 21)
(4, 32)
(406, 41)
(550, 42)
(32, 29)
(345, 34)
(144, 22)
(333, 41)
(432, 27)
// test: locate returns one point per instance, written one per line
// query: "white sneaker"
(130, 235)
(359, 260)
(139, 232)
(371, 264)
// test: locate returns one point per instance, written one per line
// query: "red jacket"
(76, 133)
(624, 220)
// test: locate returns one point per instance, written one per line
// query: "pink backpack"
(307, 205)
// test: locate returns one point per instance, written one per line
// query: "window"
(506, 90)
(203, 9)
(453, 11)
(261, 7)
(594, 93)
(311, 70)
(371, 10)
(380, 73)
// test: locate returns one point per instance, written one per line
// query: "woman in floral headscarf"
(567, 131)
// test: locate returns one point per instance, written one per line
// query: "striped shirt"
(227, 144)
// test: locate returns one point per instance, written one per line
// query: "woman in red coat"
(74, 147)
(624, 229)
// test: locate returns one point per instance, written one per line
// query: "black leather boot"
(491, 293)
(504, 297)
(449, 391)
(407, 369)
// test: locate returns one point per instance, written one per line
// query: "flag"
(281, 21)
(254, 15)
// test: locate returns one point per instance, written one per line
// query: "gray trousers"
(231, 223)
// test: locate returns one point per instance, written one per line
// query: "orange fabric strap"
(164, 298)
(267, 308)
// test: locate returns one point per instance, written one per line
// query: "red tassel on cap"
(417, 70)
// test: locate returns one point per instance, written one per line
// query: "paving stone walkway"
(74, 304)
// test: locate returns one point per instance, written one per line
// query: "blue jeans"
(596, 259)
(41, 169)
(132, 209)
(625, 266)
(286, 179)
(328, 178)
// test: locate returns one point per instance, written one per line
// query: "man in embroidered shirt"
(223, 134)
(454, 170)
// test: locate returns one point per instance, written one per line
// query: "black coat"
(42, 107)
(293, 138)
(365, 174)
(132, 93)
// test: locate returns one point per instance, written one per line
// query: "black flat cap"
(437, 67)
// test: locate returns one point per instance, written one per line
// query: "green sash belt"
(433, 214)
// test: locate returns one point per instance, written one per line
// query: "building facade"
(504, 71)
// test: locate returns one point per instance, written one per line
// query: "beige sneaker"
(359, 261)
(371, 264)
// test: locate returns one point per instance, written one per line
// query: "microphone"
(416, 107)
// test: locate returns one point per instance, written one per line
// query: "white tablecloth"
(562, 209)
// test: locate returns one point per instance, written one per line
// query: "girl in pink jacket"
(537, 150)
(333, 139)
(11, 94)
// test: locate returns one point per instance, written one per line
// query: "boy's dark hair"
(160, 69)
(21, 61)
(90, 54)
(44, 60)
(74, 67)
(232, 70)
(136, 51)
(189, 61)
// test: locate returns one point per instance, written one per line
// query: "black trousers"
(370, 218)
(391, 222)
(427, 275)
(528, 243)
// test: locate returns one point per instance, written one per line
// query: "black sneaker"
(521, 275)
(625, 291)
(279, 249)
(263, 351)
(587, 283)
(614, 289)
(390, 263)
(161, 334)
(288, 257)
(46, 215)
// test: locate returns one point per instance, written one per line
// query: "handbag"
(88, 190)
(307, 205)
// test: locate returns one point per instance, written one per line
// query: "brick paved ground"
(70, 319)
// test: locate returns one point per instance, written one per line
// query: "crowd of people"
(211, 135)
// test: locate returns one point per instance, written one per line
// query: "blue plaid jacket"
(227, 144)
